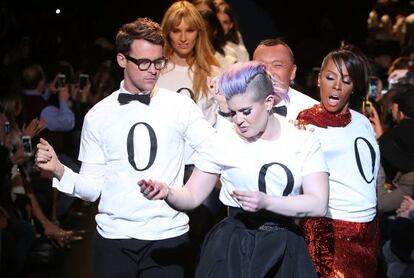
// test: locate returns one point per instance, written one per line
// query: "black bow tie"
(281, 110)
(126, 98)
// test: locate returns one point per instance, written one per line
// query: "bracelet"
(225, 114)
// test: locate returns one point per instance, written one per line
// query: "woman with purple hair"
(271, 172)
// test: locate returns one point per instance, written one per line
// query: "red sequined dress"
(339, 248)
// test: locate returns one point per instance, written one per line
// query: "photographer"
(396, 178)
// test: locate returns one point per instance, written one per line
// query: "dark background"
(312, 28)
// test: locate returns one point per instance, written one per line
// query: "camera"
(83, 80)
(372, 88)
(27, 145)
(61, 81)
(367, 108)
(7, 127)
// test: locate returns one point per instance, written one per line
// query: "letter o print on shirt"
(262, 178)
(186, 91)
(358, 158)
(130, 146)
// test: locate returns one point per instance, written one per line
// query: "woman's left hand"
(250, 200)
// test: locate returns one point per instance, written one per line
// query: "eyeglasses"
(145, 64)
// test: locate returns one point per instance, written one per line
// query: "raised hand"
(34, 127)
(46, 159)
(376, 123)
(406, 206)
(64, 93)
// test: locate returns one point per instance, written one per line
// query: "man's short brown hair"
(141, 28)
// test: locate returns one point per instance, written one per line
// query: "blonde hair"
(202, 59)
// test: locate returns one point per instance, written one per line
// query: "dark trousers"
(202, 219)
(140, 258)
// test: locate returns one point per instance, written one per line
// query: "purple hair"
(242, 77)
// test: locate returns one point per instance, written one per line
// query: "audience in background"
(39, 106)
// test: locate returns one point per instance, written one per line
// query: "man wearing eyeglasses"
(135, 133)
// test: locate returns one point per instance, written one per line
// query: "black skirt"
(246, 246)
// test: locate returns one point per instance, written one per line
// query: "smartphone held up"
(27, 145)
(7, 128)
(367, 108)
(83, 81)
(61, 80)
(372, 88)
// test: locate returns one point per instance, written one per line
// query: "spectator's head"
(386, 112)
(33, 78)
(399, 63)
(397, 145)
(403, 104)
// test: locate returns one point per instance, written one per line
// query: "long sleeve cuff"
(66, 183)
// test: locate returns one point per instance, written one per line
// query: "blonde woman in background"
(191, 62)
(190, 56)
